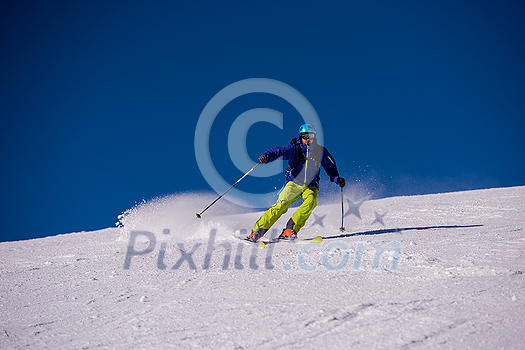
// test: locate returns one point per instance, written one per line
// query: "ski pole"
(342, 229)
(212, 203)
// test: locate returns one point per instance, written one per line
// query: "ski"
(315, 240)
(260, 244)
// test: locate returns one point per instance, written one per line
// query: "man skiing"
(304, 157)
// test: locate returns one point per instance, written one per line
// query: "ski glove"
(263, 159)
(340, 181)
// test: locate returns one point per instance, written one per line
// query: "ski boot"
(253, 237)
(288, 234)
(256, 235)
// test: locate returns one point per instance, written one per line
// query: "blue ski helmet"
(307, 128)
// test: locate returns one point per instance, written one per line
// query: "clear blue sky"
(100, 99)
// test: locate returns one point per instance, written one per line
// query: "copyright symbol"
(239, 130)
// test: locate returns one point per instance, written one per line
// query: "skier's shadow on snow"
(394, 230)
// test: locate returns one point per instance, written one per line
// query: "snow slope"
(435, 271)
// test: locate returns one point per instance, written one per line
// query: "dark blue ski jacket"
(306, 172)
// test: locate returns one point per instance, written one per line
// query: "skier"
(304, 156)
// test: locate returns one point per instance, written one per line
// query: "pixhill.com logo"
(334, 256)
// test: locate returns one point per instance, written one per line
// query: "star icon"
(318, 220)
(379, 218)
(353, 208)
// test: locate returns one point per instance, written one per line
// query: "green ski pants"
(289, 195)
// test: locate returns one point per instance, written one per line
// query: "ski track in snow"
(459, 281)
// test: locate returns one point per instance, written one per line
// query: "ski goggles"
(308, 136)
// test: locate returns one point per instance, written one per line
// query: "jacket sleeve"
(328, 163)
(286, 152)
